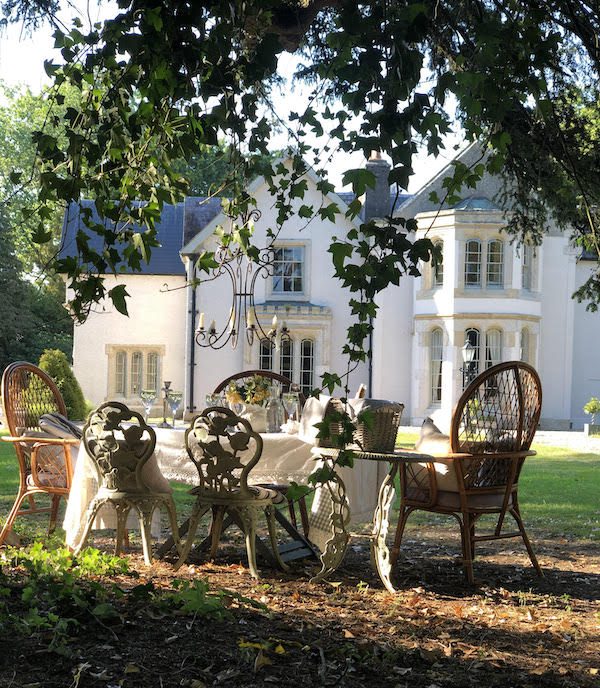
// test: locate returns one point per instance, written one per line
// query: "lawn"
(558, 493)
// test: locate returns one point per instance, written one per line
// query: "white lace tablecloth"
(284, 458)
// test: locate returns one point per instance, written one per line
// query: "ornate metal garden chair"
(282, 488)
(119, 442)
(477, 471)
(224, 449)
(45, 465)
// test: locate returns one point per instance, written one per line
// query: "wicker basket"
(380, 437)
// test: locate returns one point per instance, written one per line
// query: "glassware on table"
(148, 398)
(237, 407)
(275, 414)
(174, 400)
(290, 404)
(214, 400)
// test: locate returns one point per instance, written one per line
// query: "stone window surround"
(145, 349)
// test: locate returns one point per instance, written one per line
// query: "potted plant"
(592, 408)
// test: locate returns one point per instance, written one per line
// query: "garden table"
(334, 550)
(284, 458)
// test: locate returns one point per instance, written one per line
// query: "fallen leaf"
(261, 661)
(348, 634)
(132, 669)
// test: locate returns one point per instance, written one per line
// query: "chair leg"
(405, 512)
(465, 536)
(270, 514)
(248, 517)
(12, 516)
(216, 529)
(517, 516)
(122, 513)
(90, 517)
(172, 514)
(198, 512)
(304, 515)
(54, 513)
(145, 520)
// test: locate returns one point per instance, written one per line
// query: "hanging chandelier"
(242, 272)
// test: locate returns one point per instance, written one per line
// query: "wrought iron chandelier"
(243, 273)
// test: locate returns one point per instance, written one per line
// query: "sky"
(22, 62)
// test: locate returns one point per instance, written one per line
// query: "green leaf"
(118, 295)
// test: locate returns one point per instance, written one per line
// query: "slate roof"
(476, 203)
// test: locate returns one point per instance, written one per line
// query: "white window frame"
(136, 373)
(436, 358)
(303, 295)
(307, 373)
(437, 271)
(499, 264)
(527, 259)
(473, 264)
(120, 369)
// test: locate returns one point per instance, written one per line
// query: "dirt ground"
(510, 629)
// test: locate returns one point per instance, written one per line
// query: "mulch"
(510, 629)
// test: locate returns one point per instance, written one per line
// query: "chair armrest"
(41, 440)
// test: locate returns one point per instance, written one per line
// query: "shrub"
(55, 363)
(592, 408)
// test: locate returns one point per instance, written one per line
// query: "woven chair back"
(224, 449)
(119, 442)
(498, 413)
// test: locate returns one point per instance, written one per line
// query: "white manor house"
(509, 302)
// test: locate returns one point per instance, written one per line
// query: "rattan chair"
(45, 465)
(224, 449)
(119, 442)
(492, 429)
(282, 488)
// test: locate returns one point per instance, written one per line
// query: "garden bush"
(55, 363)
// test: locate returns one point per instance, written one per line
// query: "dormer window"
(288, 270)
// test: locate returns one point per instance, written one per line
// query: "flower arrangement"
(254, 390)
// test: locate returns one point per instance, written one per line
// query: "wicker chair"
(119, 442)
(492, 429)
(224, 449)
(282, 488)
(45, 465)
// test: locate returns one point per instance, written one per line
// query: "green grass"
(558, 494)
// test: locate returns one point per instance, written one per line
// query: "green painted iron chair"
(224, 449)
(119, 443)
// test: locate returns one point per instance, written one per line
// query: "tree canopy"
(160, 80)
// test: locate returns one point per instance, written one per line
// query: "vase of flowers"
(248, 398)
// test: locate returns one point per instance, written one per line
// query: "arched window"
(495, 264)
(307, 365)
(137, 365)
(493, 348)
(121, 373)
(471, 368)
(152, 372)
(436, 351)
(473, 264)
(438, 270)
(265, 355)
(286, 358)
(525, 354)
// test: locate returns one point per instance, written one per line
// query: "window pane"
(493, 348)
(306, 366)
(288, 269)
(438, 270)
(135, 386)
(121, 373)
(525, 345)
(286, 358)
(152, 372)
(471, 370)
(436, 349)
(265, 355)
(495, 264)
(473, 264)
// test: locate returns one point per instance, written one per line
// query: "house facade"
(507, 302)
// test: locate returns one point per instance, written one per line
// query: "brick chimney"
(377, 200)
